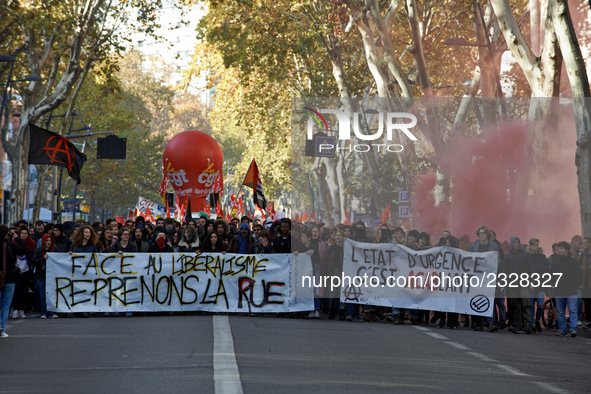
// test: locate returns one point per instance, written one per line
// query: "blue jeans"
(5, 301)
(536, 297)
(353, 310)
(561, 305)
(41, 287)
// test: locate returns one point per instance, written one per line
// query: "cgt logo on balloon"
(192, 159)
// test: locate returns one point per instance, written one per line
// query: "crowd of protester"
(26, 248)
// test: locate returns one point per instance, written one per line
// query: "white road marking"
(483, 357)
(225, 370)
(458, 345)
(550, 387)
(421, 328)
(437, 336)
(511, 370)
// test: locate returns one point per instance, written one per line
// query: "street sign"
(404, 212)
(403, 197)
(376, 222)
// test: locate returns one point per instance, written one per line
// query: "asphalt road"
(182, 354)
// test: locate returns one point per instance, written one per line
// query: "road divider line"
(482, 357)
(550, 387)
(436, 336)
(421, 328)
(225, 369)
(511, 370)
(457, 345)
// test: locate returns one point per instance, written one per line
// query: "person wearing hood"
(161, 243)
(39, 261)
(516, 263)
(566, 287)
(360, 233)
(62, 243)
(222, 229)
(12, 250)
(205, 230)
(242, 242)
(385, 234)
(189, 242)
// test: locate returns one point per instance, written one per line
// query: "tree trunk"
(579, 82)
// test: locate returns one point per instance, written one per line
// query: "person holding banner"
(482, 245)
(124, 244)
(39, 260)
(306, 246)
(189, 242)
(84, 240)
(242, 242)
(140, 241)
(212, 244)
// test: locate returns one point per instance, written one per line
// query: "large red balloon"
(192, 160)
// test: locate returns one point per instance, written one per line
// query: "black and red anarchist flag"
(46, 147)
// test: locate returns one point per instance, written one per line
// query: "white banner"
(438, 279)
(156, 209)
(90, 282)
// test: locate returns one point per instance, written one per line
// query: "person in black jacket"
(516, 263)
(212, 244)
(566, 288)
(62, 243)
(39, 260)
(161, 243)
(539, 265)
(12, 250)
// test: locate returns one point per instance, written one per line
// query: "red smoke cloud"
(490, 179)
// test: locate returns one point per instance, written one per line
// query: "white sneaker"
(3, 334)
(15, 314)
(43, 317)
(316, 315)
(311, 315)
(22, 314)
(54, 316)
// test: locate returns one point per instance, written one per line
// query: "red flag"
(219, 212)
(130, 214)
(167, 210)
(258, 211)
(297, 217)
(218, 186)
(253, 180)
(347, 219)
(139, 213)
(386, 215)
(149, 216)
(305, 217)
(241, 212)
(163, 184)
(181, 213)
(271, 211)
(406, 226)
